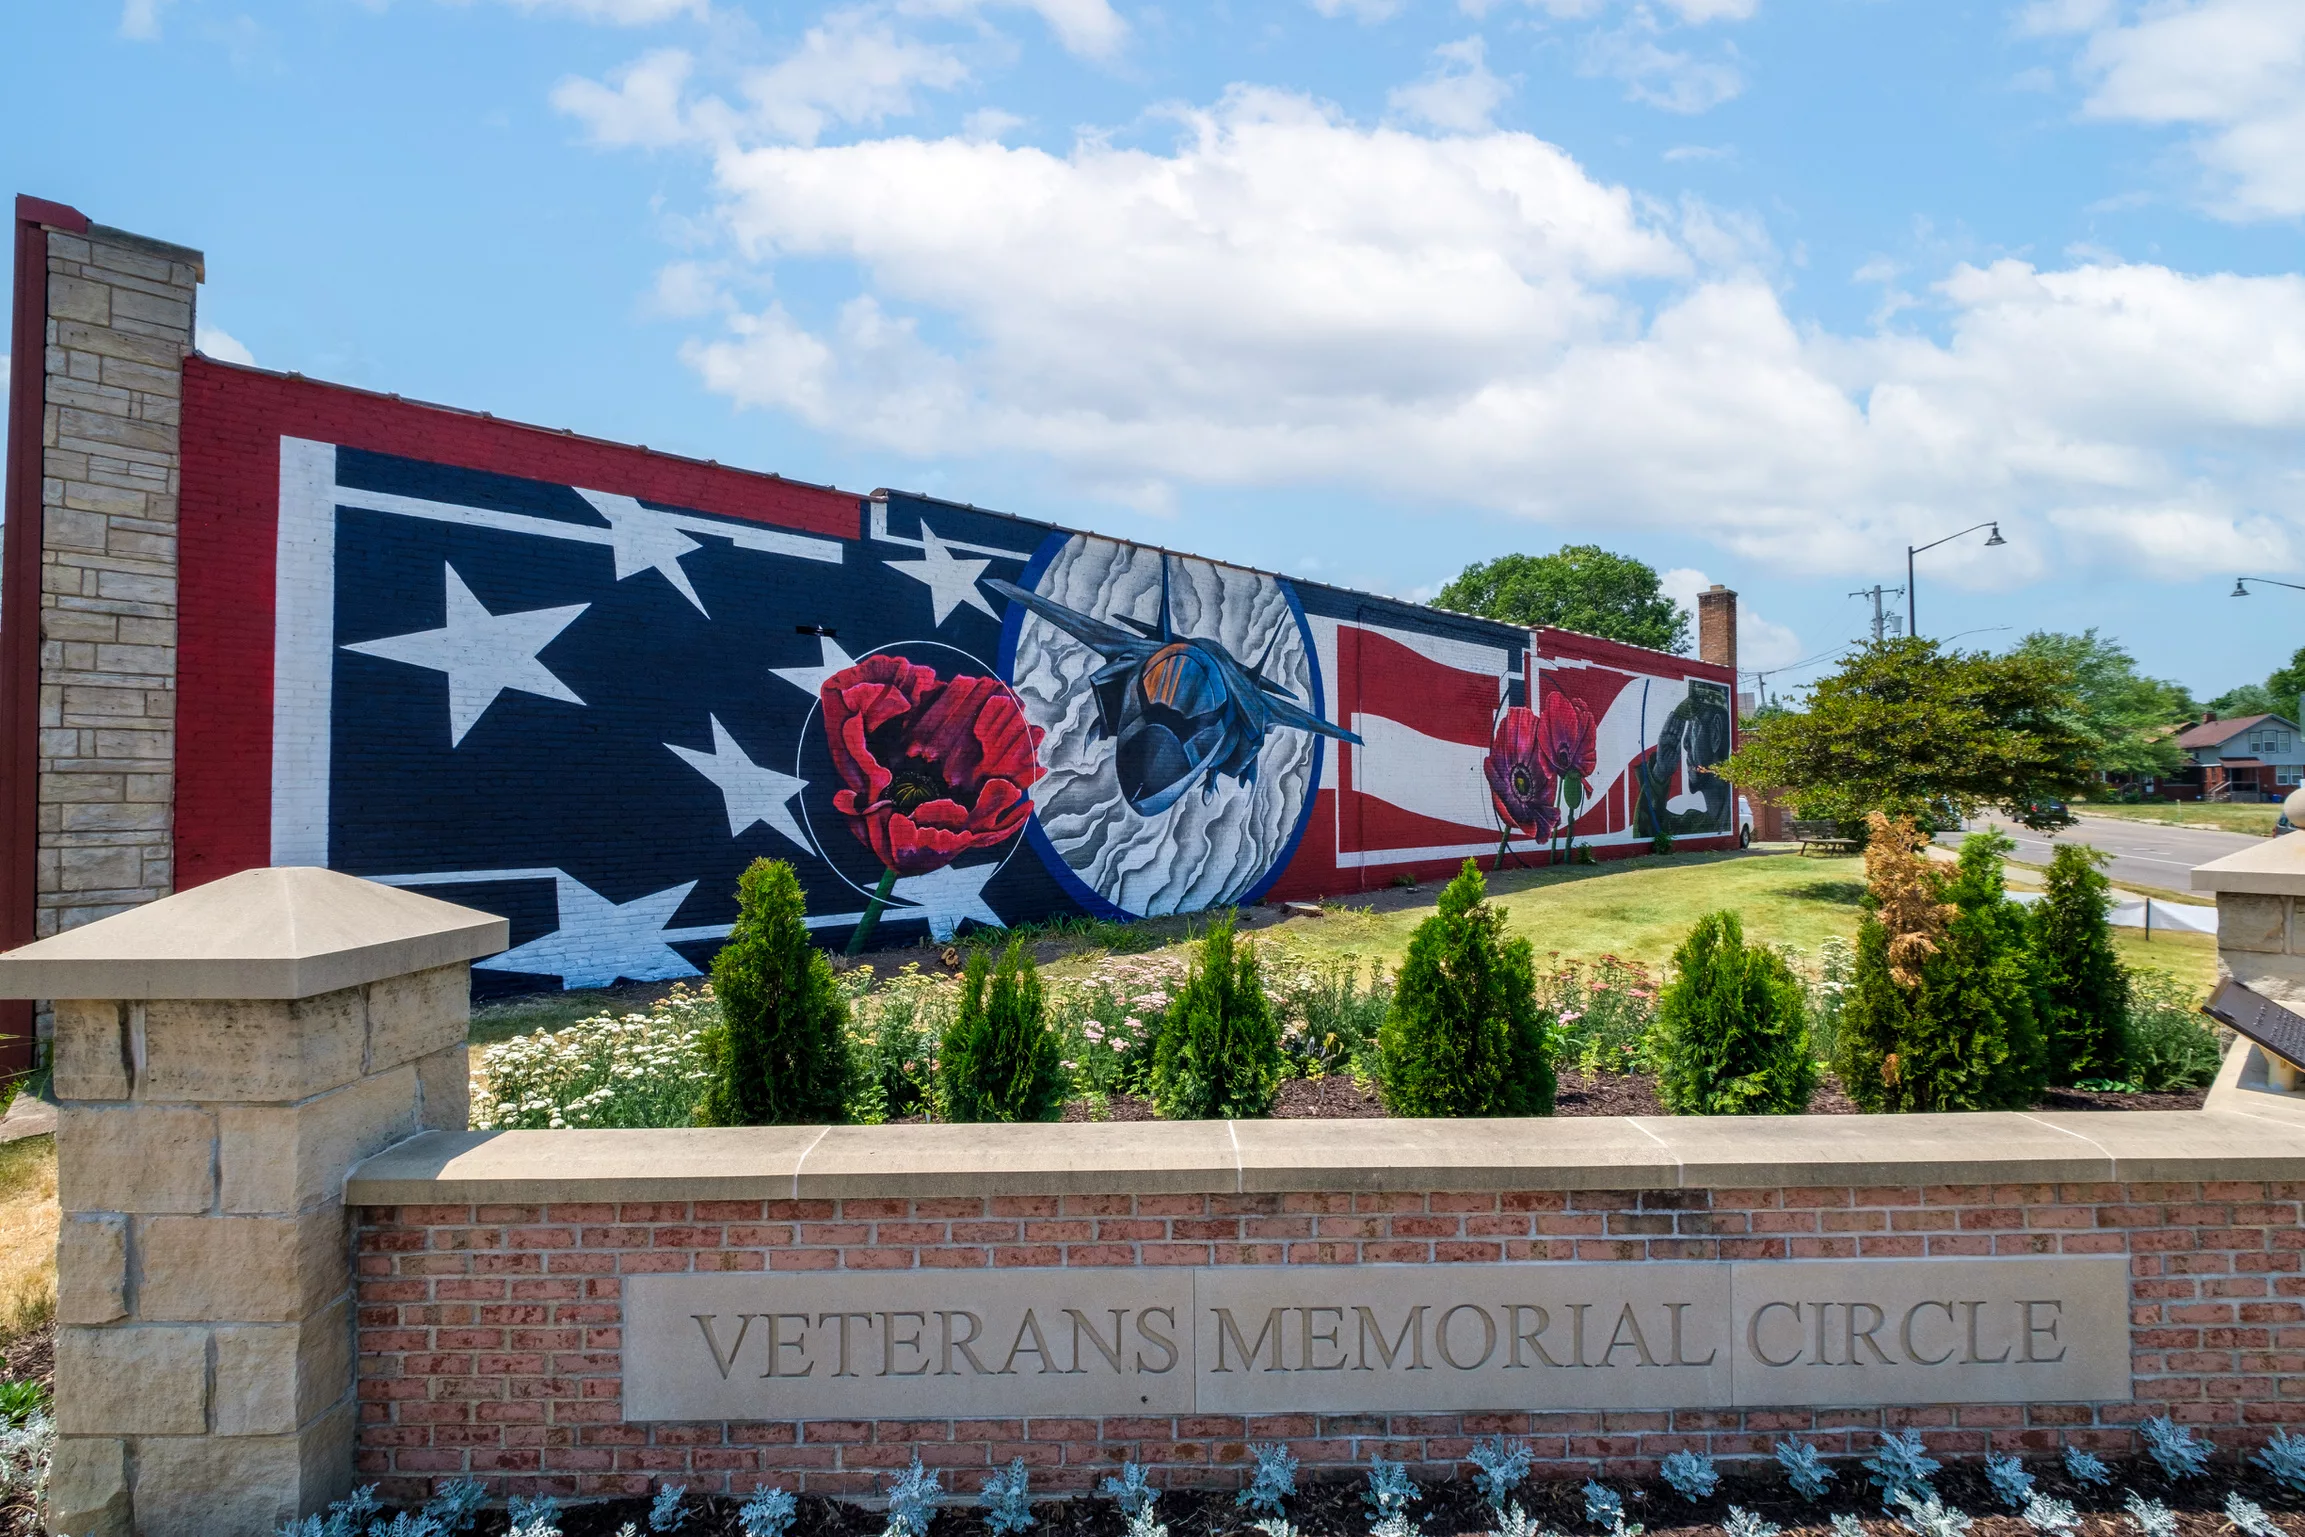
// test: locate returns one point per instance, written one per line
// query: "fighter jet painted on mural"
(1178, 708)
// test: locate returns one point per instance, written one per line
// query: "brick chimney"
(1717, 626)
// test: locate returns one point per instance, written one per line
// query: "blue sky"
(1758, 290)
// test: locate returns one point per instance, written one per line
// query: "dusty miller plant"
(2248, 1517)
(1275, 1481)
(1743, 1523)
(2153, 1518)
(1499, 1466)
(1930, 1517)
(2087, 1468)
(1848, 1526)
(2284, 1458)
(2050, 1517)
(664, 1515)
(1692, 1477)
(2012, 1485)
(769, 1513)
(912, 1501)
(1390, 1493)
(1129, 1491)
(1007, 1500)
(2179, 1453)
(1804, 1469)
(533, 1516)
(1902, 1466)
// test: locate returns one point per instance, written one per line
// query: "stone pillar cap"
(289, 932)
(2274, 868)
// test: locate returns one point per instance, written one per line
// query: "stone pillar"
(1717, 627)
(223, 1058)
(2261, 917)
(119, 325)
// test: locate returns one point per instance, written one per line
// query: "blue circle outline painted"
(1092, 901)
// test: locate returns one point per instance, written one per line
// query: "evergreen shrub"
(999, 1060)
(1942, 1013)
(780, 1053)
(1219, 1052)
(1464, 1035)
(2084, 987)
(1732, 1033)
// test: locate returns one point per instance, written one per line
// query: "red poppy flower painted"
(1565, 738)
(933, 767)
(1519, 782)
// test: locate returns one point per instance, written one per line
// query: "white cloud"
(853, 68)
(1366, 11)
(1470, 319)
(2232, 70)
(1674, 79)
(641, 106)
(1458, 94)
(221, 345)
(140, 19)
(1090, 28)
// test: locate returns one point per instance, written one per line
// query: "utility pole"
(1883, 621)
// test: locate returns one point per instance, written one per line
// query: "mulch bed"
(1332, 1507)
(31, 1357)
(1338, 1098)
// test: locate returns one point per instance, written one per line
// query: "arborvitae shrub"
(1219, 1052)
(1464, 1035)
(1732, 1032)
(1960, 1030)
(999, 1060)
(2084, 987)
(780, 1054)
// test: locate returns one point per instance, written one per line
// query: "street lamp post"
(1912, 618)
(2240, 591)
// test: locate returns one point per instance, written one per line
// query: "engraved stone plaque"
(928, 1344)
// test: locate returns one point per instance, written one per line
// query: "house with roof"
(2247, 758)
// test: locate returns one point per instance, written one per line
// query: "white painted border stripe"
(303, 633)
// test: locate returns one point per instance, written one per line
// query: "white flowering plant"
(631, 1070)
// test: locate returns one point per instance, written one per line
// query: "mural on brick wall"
(589, 710)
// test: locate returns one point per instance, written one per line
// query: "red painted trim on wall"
(20, 607)
(1555, 645)
(234, 419)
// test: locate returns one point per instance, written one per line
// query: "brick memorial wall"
(494, 1338)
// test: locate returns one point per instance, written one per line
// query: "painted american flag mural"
(589, 706)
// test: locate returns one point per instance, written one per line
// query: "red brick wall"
(489, 1336)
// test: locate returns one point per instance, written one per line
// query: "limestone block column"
(2261, 917)
(223, 1058)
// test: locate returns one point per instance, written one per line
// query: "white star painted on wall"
(945, 897)
(482, 653)
(951, 582)
(749, 792)
(810, 679)
(643, 539)
(599, 940)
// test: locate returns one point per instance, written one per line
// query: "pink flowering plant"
(1602, 1013)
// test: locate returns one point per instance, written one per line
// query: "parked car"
(1744, 823)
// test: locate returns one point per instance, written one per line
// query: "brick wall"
(489, 1335)
(119, 326)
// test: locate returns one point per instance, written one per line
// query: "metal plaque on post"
(2271, 1026)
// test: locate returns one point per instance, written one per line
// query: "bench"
(1826, 836)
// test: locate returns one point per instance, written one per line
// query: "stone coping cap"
(289, 932)
(2275, 867)
(1247, 1157)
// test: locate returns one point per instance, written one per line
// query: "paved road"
(2143, 854)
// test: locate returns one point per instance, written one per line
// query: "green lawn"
(2257, 819)
(1641, 909)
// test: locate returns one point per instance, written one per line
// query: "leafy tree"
(1219, 1052)
(1905, 728)
(1578, 587)
(999, 1059)
(780, 1055)
(1732, 1031)
(1464, 1035)
(2084, 987)
(1947, 1022)
(2286, 684)
(2248, 699)
(2125, 714)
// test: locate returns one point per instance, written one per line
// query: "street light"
(2240, 591)
(1912, 622)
